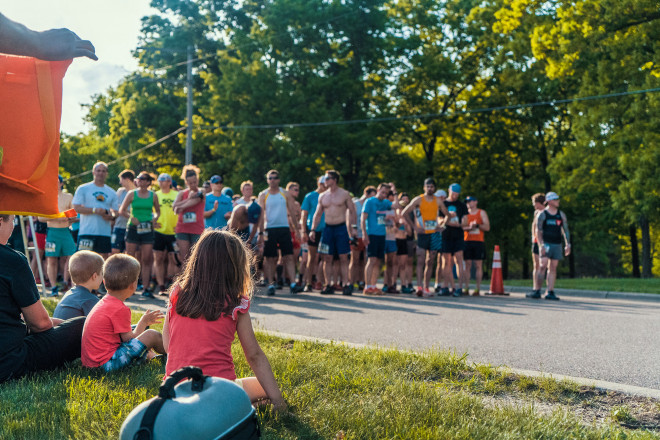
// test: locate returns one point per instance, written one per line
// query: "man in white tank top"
(275, 231)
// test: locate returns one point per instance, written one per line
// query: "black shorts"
(317, 239)
(278, 238)
(535, 248)
(133, 237)
(411, 246)
(95, 243)
(376, 247)
(163, 242)
(452, 242)
(474, 250)
(401, 246)
(118, 239)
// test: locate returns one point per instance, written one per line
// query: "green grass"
(640, 285)
(333, 390)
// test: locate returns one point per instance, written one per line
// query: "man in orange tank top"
(475, 249)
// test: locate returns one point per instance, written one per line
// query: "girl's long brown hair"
(215, 277)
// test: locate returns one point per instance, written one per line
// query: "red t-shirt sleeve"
(121, 320)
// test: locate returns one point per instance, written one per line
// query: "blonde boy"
(108, 341)
(86, 268)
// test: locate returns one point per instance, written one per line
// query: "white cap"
(441, 193)
(551, 196)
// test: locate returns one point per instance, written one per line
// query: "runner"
(551, 225)
(391, 220)
(538, 201)
(335, 203)
(309, 205)
(293, 188)
(218, 206)
(373, 222)
(358, 248)
(452, 240)
(475, 249)
(189, 206)
(118, 238)
(275, 231)
(164, 238)
(429, 233)
(97, 204)
(59, 242)
(140, 233)
(253, 211)
(405, 246)
(441, 194)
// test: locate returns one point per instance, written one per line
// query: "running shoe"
(392, 289)
(370, 291)
(428, 294)
(438, 289)
(55, 291)
(308, 288)
(458, 292)
(318, 286)
(337, 287)
(476, 293)
(536, 294)
(271, 290)
(328, 290)
(147, 293)
(361, 285)
(551, 296)
(420, 292)
(406, 289)
(384, 288)
(445, 291)
(348, 290)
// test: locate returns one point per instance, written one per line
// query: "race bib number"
(190, 217)
(86, 245)
(113, 238)
(430, 225)
(144, 228)
(381, 220)
(50, 247)
(324, 248)
(475, 231)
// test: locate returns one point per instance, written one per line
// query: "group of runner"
(332, 242)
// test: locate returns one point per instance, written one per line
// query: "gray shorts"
(553, 251)
(184, 236)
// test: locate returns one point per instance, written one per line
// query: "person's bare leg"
(289, 268)
(327, 268)
(535, 272)
(161, 266)
(184, 249)
(447, 274)
(312, 264)
(254, 390)
(269, 269)
(552, 274)
(153, 340)
(430, 260)
(543, 268)
(147, 263)
(343, 267)
(64, 268)
(458, 257)
(468, 272)
(479, 265)
(51, 270)
(131, 249)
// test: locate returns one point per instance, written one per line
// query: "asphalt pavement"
(612, 340)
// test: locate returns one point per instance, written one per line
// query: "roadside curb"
(598, 384)
(592, 293)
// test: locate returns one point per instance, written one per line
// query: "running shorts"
(376, 247)
(95, 243)
(335, 240)
(59, 243)
(278, 238)
(474, 250)
(164, 242)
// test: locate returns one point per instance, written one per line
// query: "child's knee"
(151, 338)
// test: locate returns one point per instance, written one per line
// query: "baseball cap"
(470, 199)
(441, 193)
(227, 191)
(322, 179)
(216, 179)
(551, 196)
(163, 177)
(59, 177)
(455, 187)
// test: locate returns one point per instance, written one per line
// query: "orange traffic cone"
(496, 282)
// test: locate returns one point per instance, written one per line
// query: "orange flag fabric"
(30, 113)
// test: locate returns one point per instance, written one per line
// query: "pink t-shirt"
(201, 343)
(100, 338)
(191, 220)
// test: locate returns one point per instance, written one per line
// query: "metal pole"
(189, 109)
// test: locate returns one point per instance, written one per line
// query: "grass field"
(639, 285)
(339, 392)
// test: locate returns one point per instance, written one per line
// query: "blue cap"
(455, 187)
(227, 191)
(216, 179)
(470, 199)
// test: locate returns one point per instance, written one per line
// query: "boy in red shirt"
(108, 341)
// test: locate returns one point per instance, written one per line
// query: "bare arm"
(317, 214)
(352, 215)
(291, 209)
(123, 209)
(258, 361)
(36, 317)
(363, 225)
(166, 333)
(156, 208)
(485, 225)
(406, 214)
(149, 317)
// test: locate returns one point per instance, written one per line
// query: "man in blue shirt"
(218, 206)
(308, 208)
(373, 221)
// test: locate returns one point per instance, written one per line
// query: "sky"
(113, 28)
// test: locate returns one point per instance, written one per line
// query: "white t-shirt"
(91, 196)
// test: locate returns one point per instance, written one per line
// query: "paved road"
(601, 339)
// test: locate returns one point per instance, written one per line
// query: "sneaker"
(147, 293)
(348, 290)
(370, 291)
(444, 291)
(271, 290)
(384, 288)
(458, 292)
(391, 289)
(162, 290)
(420, 292)
(361, 285)
(476, 293)
(308, 288)
(295, 288)
(551, 295)
(55, 291)
(536, 294)
(406, 289)
(140, 286)
(428, 294)
(318, 286)
(328, 290)
(438, 289)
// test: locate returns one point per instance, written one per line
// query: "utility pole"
(189, 130)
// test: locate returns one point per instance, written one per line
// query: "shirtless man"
(429, 233)
(310, 202)
(275, 230)
(335, 203)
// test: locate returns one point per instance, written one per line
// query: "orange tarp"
(30, 113)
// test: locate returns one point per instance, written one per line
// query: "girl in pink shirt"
(209, 304)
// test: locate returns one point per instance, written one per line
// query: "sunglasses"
(274, 178)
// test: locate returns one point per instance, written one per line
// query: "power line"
(138, 151)
(433, 115)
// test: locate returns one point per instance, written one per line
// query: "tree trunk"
(634, 252)
(505, 261)
(525, 261)
(647, 261)
(571, 259)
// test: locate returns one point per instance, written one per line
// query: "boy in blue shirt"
(86, 269)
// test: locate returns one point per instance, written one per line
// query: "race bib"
(85, 244)
(430, 225)
(324, 248)
(475, 231)
(190, 217)
(50, 247)
(144, 228)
